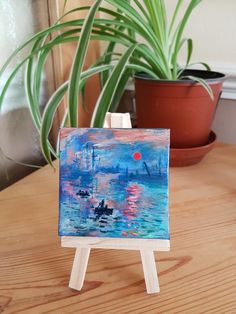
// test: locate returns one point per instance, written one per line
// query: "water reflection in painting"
(114, 183)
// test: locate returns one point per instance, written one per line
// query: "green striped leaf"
(201, 82)
(107, 94)
(53, 104)
(78, 64)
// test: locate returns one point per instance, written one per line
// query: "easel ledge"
(115, 243)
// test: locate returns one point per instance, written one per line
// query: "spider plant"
(156, 55)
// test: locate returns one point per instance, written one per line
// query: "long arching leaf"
(78, 64)
(176, 11)
(51, 108)
(120, 91)
(202, 82)
(107, 94)
(179, 32)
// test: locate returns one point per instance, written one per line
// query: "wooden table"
(198, 275)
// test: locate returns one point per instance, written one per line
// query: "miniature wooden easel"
(83, 245)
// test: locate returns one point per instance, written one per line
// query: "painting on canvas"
(114, 183)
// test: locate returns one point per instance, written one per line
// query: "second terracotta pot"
(184, 107)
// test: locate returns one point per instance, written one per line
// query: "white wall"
(213, 29)
(224, 124)
(16, 26)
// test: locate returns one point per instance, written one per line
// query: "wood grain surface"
(198, 275)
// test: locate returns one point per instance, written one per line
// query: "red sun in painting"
(137, 156)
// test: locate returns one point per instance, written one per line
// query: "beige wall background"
(213, 29)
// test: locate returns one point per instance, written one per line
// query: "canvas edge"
(115, 243)
(168, 181)
(59, 194)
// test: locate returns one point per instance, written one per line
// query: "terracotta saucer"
(181, 157)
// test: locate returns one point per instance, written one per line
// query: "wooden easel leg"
(150, 272)
(79, 268)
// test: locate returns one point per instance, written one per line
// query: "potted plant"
(153, 60)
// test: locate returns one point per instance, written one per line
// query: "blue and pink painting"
(114, 183)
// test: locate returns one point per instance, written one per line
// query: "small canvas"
(114, 183)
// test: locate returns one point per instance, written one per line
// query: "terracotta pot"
(184, 107)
